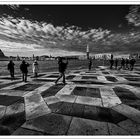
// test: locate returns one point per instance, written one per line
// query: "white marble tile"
(88, 101)
(66, 90)
(110, 101)
(67, 98)
(51, 100)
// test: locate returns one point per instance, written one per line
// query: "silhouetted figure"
(89, 64)
(10, 67)
(116, 63)
(111, 63)
(62, 67)
(35, 67)
(132, 63)
(122, 64)
(127, 63)
(24, 69)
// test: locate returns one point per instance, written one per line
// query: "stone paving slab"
(97, 102)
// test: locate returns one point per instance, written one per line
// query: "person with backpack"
(61, 67)
(10, 67)
(24, 69)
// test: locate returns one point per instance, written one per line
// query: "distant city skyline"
(67, 29)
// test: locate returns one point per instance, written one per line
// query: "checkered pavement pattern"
(97, 102)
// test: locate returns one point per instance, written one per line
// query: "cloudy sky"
(67, 29)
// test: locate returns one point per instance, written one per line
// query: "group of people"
(35, 67)
(125, 64)
(24, 69)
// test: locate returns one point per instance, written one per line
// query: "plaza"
(96, 102)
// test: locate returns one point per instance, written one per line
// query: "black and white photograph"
(69, 69)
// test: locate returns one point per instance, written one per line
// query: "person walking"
(61, 67)
(35, 68)
(122, 64)
(127, 63)
(132, 63)
(116, 63)
(24, 69)
(89, 64)
(10, 67)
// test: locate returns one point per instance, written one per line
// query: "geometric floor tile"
(28, 87)
(90, 92)
(53, 124)
(8, 100)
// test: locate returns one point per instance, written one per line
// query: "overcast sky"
(65, 29)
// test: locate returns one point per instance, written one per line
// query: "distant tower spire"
(87, 52)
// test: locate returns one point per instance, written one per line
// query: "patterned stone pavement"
(99, 102)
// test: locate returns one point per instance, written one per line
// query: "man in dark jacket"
(24, 69)
(132, 63)
(62, 67)
(10, 67)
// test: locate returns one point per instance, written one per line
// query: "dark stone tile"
(104, 72)
(123, 93)
(8, 100)
(134, 84)
(89, 77)
(65, 109)
(70, 77)
(28, 87)
(23, 131)
(9, 78)
(110, 78)
(77, 110)
(52, 90)
(80, 91)
(93, 92)
(53, 124)
(77, 72)
(44, 80)
(9, 84)
(54, 107)
(14, 121)
(117, 117)
(104, 114)
(91, 112)
(132, 79)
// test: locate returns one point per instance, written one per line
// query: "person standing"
(35, 67)
(24, 69)
(127, 63)
(10, 67)
(132, 63)
(122, 64)
(89, 64)
(116, 63)
(111, 63)
(61, 67)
